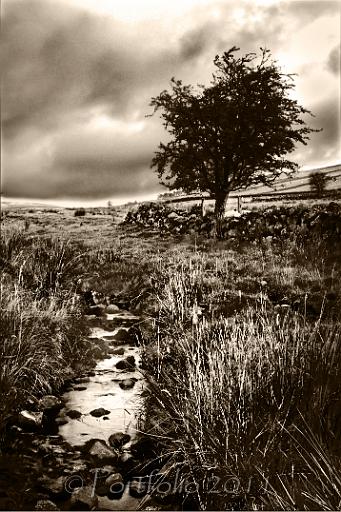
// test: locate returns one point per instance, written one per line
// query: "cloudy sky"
(78, 75)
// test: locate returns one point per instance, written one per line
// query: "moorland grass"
(246, 397)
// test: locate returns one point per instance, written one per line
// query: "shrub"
(318, 182)
(80, 212)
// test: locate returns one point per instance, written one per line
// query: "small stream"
(54, 465)
(103, 390)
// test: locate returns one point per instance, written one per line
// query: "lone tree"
(233, 133)
(318, 182)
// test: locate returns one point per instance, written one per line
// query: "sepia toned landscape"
(170, 287)
(239, 346)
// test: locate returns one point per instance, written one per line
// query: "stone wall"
(271, 223)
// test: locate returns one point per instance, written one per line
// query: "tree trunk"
(219, 211)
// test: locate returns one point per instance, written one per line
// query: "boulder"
(138, 488)
(172, 216)
(126, 461)
(126, 364)
(31, 421)
(46, 505)
(112, 308)
(143, 448)
(83, 499)
(112, 486)
(73, 414)
(127, 383)
(49, 404)
(99, 477)
(99, 450)
(54, 486)
(97, 413)
(88, 296)
(121, 335)
(115, 486)
(118, 439)
(97, 310)
(118, 351)
(130, 360)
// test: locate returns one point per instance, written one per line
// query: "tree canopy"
(233, 133)
(318, 182)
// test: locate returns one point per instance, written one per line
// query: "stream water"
(41, 466)
(103, 390)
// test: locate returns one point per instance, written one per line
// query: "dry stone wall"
(275, 223)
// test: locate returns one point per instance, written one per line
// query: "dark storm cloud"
(89, 162)
(83, 183)
(323, 144)
(305, 11)
(74, 83)
(196, 41)
(60, 59)
(85, 180)
(58, 65)
(63, 60)
(116, 164)
(333, 63)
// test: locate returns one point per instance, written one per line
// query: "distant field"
(61, 223)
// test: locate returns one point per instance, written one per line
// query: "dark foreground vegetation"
(241, 344)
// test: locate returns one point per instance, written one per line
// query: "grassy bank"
(43, 337)
(246, 375)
